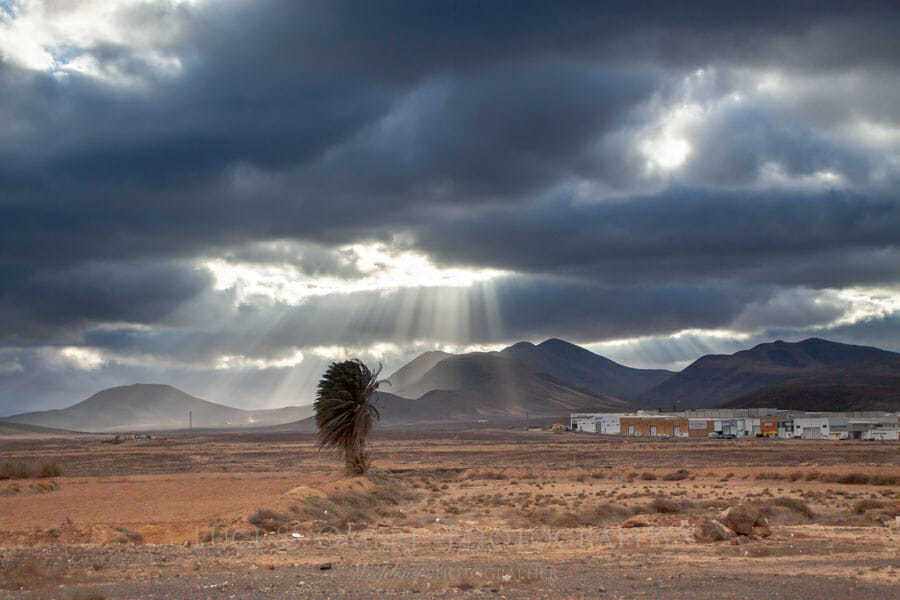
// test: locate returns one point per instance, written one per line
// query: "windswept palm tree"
(345, 413)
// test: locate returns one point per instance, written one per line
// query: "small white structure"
(586, 422)
(751, 428)
(608, 424)
(882, 434)
(812, 428)
(861, 429)
(729, 427)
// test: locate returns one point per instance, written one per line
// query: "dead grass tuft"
(678, 475)
(664, 505)
(846, 478)
(487, 475)
(18, 470)
(861, 507)
(342, 511)
(589, 516)
(271, 521)
(792, 504)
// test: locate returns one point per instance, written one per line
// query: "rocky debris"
(742, 518)
(711, 530)
(638, 521)
(761, 531)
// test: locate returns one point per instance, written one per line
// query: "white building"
(882, 434)
(812, 428)
(608, 424)
(751, 428)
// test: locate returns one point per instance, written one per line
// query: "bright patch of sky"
(379, 268)
(63, 37)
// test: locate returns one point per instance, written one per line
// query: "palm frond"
(344, 411)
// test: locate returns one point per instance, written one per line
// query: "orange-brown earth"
(463, 513)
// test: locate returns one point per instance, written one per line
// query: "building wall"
(648, 427)
(587, 424)
(882, 434)
(768, 427)
(780, 428)
(699, 428)
(818, 425)
(594, 423)
(610, 425)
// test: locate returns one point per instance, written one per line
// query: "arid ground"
(447, 514)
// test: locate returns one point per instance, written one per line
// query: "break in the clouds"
(227, 195)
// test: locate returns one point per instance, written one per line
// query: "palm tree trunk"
(355, 459)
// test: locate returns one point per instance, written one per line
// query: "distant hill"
(867, 386)
(713, 380)
(579, 366)
(481, 385)
(149, 407)
(408, 375)
(21, 429)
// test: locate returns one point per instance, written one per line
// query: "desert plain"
(477, 513)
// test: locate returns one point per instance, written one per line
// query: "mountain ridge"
(866, 386)
(715, 379)
(575, 364)
(151, 406)
(489, 383)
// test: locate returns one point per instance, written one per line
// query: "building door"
(677, 431)
(631, 430)
(653, 430)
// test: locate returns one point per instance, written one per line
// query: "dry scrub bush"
(272, 521)
(590, 516)
(889, 508)
(42, 470)
(793, 504)
(341, 511)
(664, 505)
(846, 479)
(487, 475)
(678, 475)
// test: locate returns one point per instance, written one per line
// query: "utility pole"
(190, 420)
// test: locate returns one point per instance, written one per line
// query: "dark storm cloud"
(683, 235)
(46, 303)
(733, 146)
(290, 118)
(499, 135)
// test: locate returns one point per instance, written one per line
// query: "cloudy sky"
(225, 195)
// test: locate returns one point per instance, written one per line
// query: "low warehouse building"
(811, 428)
(595, 423)
(586, 422)
(776, 428)
(861, 429)
(654, 426)
(883, 434)
(700, 427)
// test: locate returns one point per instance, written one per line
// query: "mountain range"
(536, 381)
(871, 385)
(153, 406)
(481, 385)
(714, 380)
(579, 366)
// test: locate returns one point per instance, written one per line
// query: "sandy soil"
(461, 514)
